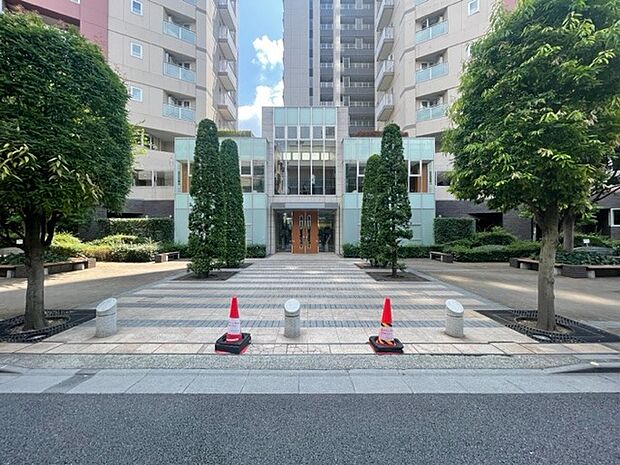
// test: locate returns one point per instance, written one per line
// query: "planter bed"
(570, 271)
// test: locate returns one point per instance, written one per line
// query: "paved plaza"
(341, 307)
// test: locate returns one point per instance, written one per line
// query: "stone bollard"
(105, 321)
(454, 318)
(292, 320)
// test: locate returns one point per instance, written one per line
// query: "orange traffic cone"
(234, 341)
(385, 342)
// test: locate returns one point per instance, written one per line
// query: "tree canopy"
(65, 142)
(538, 116)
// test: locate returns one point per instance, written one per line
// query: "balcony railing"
(384, 15)
(432, 72)
(387, 66)
(425, 114)
(179, 32)
(227, 74)
(228, 12)
(429, 33)
(177, 112)
(386, 107)
(178, 72)
(386, 42)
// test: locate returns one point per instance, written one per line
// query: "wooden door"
(305, 234)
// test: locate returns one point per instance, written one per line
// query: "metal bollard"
(292, 320)
(454, 318)
(105, 320)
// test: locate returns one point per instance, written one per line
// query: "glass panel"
(317, 132)
(279, 132)
(292, 132)
(305, 180)
(329, 155)
(246, 183)
(292, 175)
(414, 168)
(164, 178)
(259, 176)
(143, 178)
(308, 231)
(326, 231)
(304, 132)
(284, 223)
(615, 217)
(317, 177)
(330, 132)
(279, 181)
(351, 177)
(246, 168)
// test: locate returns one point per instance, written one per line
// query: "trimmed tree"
(536, 114)
(369, 246)
(393, 209)
(234, 250)
(65, 142)
(206, 220)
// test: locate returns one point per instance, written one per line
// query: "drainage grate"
(581, 333)
(66, 319)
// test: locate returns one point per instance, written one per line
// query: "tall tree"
(537, 117)
(369, 246)
(206, 220)
(234, 250)
(393, 207)
(65, 142)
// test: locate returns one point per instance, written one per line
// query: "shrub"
(50, 256)
(66, 244)
(497, 236)
(350, 250)
(595, 241)
(155, 229)
(163, 247)
(493, 252)
(584, 258)
(417, 250)
(453, 229)
(121, 252)
(118, 239)
(255, 251)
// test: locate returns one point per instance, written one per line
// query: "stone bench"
(167, 256)
(442, 257)
(590, 271)
(19, 271)
(530, 264)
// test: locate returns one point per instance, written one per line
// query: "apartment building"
(329, 57)
(421, 48)
(179, 60)
(302, 181)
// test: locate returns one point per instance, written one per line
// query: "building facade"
(329, 57)
(179, 61)
(422, 46)
(303, 181)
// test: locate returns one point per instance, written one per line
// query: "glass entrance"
(308, 231)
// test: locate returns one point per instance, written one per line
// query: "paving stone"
(32, 383)
(271, 383)
(158, 384)
(108, 383)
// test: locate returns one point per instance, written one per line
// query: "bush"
(595, 241)
(584, 258)
(453, 229)
(121, 252)
(493, 252)
(497, 236)
(417, 250)
(50, 256)
(350, 250)
(163, 247)
(255, 251)
(66, 244)
(155, 229)
(118, 239)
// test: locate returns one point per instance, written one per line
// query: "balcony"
(432, 72)
(384, 15)
(227, 107)
(226, 72)
(228, 13)
(436, 30)
(178, 72)
(177, 112)
(179, 32)
(227, 44)
(429, 113)
(386, 43)
(385, 76)
(386, 107)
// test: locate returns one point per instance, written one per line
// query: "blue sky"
(260, 59)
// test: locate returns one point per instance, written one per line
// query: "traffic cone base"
(234, 347)
(384, 347)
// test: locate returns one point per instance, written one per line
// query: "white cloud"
(250, 116)
(269, 53)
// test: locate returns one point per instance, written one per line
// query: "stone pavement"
(178, 381)
(341, 308)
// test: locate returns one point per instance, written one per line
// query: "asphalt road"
(310, 429)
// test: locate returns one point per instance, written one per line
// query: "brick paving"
(341, 307)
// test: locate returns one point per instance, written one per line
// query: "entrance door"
(305, 232)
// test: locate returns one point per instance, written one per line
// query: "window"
(418, 177)
(291, 132)
(354, 176)
(443, 178)
(135, 93)
(136, 50)
(330, 132)
(317, 132)
(473, 6)
(142, 178)
(164, 178)
(136, 7)
(304, 132)
(252, 176)
(614, 217)
(279, 132)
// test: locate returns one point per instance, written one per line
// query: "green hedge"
(350, 251)
(584, 258)
(155, 229)
(50, 256)
(116, 248)
(255, 251)
(493, 252)
(453, 229)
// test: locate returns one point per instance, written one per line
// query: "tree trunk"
(549, 223)
(394, 262)
(568, 229)
(34, 317)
